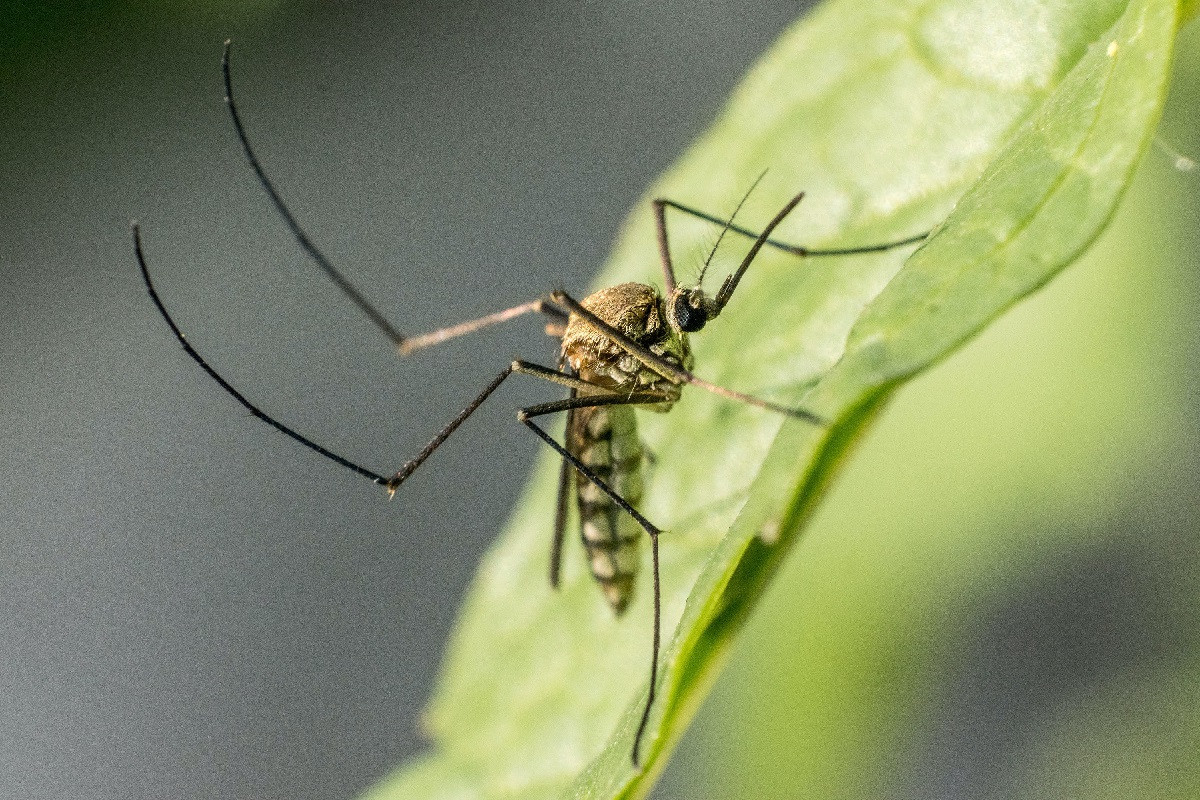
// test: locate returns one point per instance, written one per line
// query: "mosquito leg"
(440, 335)
(593, 401)
(671, 371)
(253, 409)
(794, 249)
(565, 479)
(526, 416)
(522, 367)
(298, 233)
(392, 483)
(402, 343)
(560, 377)
(664, 249)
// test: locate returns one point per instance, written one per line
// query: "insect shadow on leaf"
(622, 348)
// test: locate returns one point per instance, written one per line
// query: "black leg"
(794, 249)
(298, 233)
(566, 479)
(526, 416)
(403, 344)
(224, 384)
(392, 483)
(562, 503)
(519, 367)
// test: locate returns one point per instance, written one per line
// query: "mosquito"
(621, 348)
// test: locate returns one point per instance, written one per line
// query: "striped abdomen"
(605, 440)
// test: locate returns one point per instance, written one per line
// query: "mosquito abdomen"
(605, 440)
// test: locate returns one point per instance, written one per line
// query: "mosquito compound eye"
(690, 318)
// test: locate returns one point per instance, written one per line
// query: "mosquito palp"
(622, 348)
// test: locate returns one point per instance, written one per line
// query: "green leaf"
(1022, 121)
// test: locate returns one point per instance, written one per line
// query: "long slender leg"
(298, 233)
(255, 410)
(672, 371)
(403, 344)
(392, 483)
(451, 331)
(520, 367)
(561, 504)
(664, 247)
(593, 401)
(566, 479)
(526, 415)
(794, 249)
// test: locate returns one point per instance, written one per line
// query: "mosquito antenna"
(725, 228)
(298, 233)
(732, 281)
(224, 384)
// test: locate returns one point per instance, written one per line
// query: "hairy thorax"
(636, 310)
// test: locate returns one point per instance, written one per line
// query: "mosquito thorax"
(639, 312)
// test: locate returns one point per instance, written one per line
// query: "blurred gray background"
(193, 606)
(190, 604)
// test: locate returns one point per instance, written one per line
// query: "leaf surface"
(1012, 126)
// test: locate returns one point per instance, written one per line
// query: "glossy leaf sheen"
(1022, 120)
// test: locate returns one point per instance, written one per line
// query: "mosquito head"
(689, 310)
